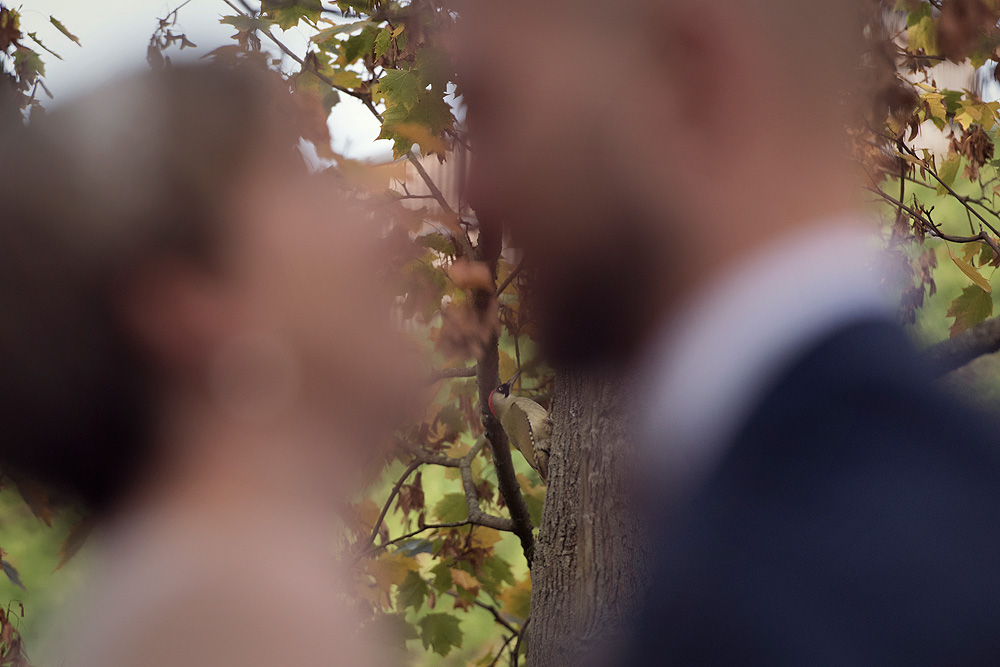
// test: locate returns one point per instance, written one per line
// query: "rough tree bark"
(589, 559)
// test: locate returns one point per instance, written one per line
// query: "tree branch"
(509, 279)
(934, 230)
(364, 97)
(490, 608)
(431, 185)
(448, 373)
(506, 641)
(430, 526)
(961, 198)
(490, 245)
(476, 514)
(517, 645)
(428, 457)
(385, 508)
(955, 352)
(461, 239)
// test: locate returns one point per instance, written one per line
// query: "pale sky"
(114, 35)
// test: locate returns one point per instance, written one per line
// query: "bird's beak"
(510, 382)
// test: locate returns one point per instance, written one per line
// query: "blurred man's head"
(633, 149)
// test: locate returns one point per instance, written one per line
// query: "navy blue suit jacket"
(855, 520)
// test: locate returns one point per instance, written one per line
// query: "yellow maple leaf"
(367, 511)
(971, 272)
(516, 599)
(483, 538)
(390, 570)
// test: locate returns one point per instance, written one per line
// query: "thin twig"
(431, 185)
(364, 97)
(392, 495)
(930, 227)
(517, 646)
(430, 526)
(490, 608)
(509, 279)
(500, 652)
(428, 457)
(476, 514)
(961, 198)
(464, 464)
(461, 239)
(447, 373)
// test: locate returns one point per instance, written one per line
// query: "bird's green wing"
(518, 429)
(538, 417)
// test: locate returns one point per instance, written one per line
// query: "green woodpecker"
(527, 425)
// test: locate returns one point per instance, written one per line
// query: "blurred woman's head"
(164, 249)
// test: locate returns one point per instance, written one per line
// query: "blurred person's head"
(166, 255)
(634, 149)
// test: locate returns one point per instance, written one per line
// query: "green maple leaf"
(423, 122)
(288, 13)
(971, 307)
(399, 88)
(440, 632)
(383, 41)
(452, 508)
(61, 28)
(496, 572)
(412, 592)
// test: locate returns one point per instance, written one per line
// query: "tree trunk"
(588, 572)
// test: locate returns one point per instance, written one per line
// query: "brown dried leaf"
(10, 28)
(411, 496)
(977, 147)
(464, 580)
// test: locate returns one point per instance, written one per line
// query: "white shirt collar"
(721, 350)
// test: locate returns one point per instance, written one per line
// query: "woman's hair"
(138, 169)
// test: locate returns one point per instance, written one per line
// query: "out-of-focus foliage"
(435, 563)
(22, 64)
(928, 148)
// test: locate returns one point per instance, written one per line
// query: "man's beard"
(598, 309)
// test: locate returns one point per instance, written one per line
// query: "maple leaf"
(970, 308)
(412, 592)
(440, 632)
(452, 508)
(465, 580)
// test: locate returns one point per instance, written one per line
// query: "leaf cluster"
(22, 68)
(918, 45)
(430, 542)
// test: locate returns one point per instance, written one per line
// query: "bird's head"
(500, 395)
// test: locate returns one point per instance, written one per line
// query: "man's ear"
(178, 314)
